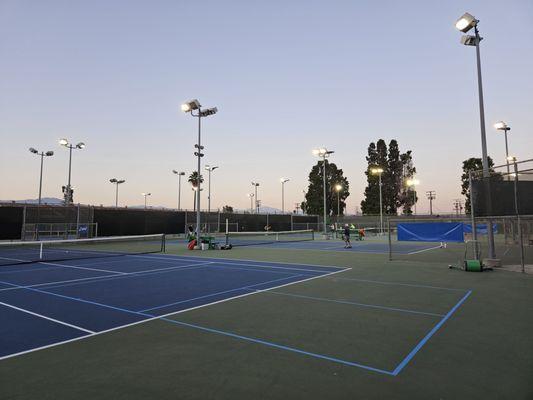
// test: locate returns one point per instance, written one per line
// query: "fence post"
(518, 219)
(473, 217)
(390, 239)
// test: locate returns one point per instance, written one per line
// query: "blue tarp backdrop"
(431, 232)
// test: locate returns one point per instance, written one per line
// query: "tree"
(314, 198)
(471, 164)
(397, 167)
(193, 179)
(407, 199)
(227, 209)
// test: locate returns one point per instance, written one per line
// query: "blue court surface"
(48, 304)
(51, 302)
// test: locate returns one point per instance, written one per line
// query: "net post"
(227, 226)
(41, 251)
(389, 238)
(163, 243)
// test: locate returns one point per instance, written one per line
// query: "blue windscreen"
(431, 232)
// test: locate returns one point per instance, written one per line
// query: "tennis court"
(166, 324)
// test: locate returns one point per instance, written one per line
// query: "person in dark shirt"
(346, 237)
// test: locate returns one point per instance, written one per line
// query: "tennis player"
(346, 237)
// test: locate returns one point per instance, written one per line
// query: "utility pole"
(431, 195)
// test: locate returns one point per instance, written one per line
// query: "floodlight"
(121, 181)
(113, 180)
(338, 187)
(34, 151)
(63, 142)
(511, 158)
(49, 153)
(283, 180)
(501, 126)
(255, 184)
(412, 182)
(466, 22)
(469, 40)
(376, 171)
(209, 111)
(190, 105)
(80, 145)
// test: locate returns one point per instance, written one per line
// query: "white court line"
(47, 318)
(166, 255)
(88, 269)
(267, 267)
(423, 250)
(125, 275)
(167, 315)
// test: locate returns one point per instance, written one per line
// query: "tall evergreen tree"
(370, 204)
(396, 167)
(407, 199)
(314, 198)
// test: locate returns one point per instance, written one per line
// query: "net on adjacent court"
(12, 253)
(257, 238)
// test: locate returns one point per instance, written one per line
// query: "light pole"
(283, 182)
(209, 169)
(251, 196)
(255, 185)
(67, 190)
(189, 107)
(412, 183)
(431, 195)
(117, 182)
(145, 196)
(379, 171)
(464, 24)
(180, 174)
(323, 153)
(42, 154)
(338, 188)
(502, 126)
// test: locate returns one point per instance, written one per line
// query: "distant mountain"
(44, 200)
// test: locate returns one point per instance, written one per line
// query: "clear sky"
(286, 76)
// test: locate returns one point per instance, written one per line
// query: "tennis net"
(257, 238)
(12, 253)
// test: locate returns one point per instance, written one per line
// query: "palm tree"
(193, 180)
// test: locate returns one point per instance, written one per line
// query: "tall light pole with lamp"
(465, 24)
(379, 171)
(413, 183)
(117, 182)
(502, 126)
(67, 191)
(180, 174)
(190, 107)
(42, 154)
(209, 169)
(283, 182)
(338, 188)
(145, 196)
(255, 185)
(324, 153)
(251, 196)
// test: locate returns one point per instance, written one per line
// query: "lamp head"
(501, 126)
(466, 22)
(121, 181)
(338, 187)
(190, 105)
(63, 142)
(283, 180)
(209, 111)
(49, 153)
(80, 145)
(34, 151)
(376, 171)
(113, 180)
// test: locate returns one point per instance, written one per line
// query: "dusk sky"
(286, 76)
